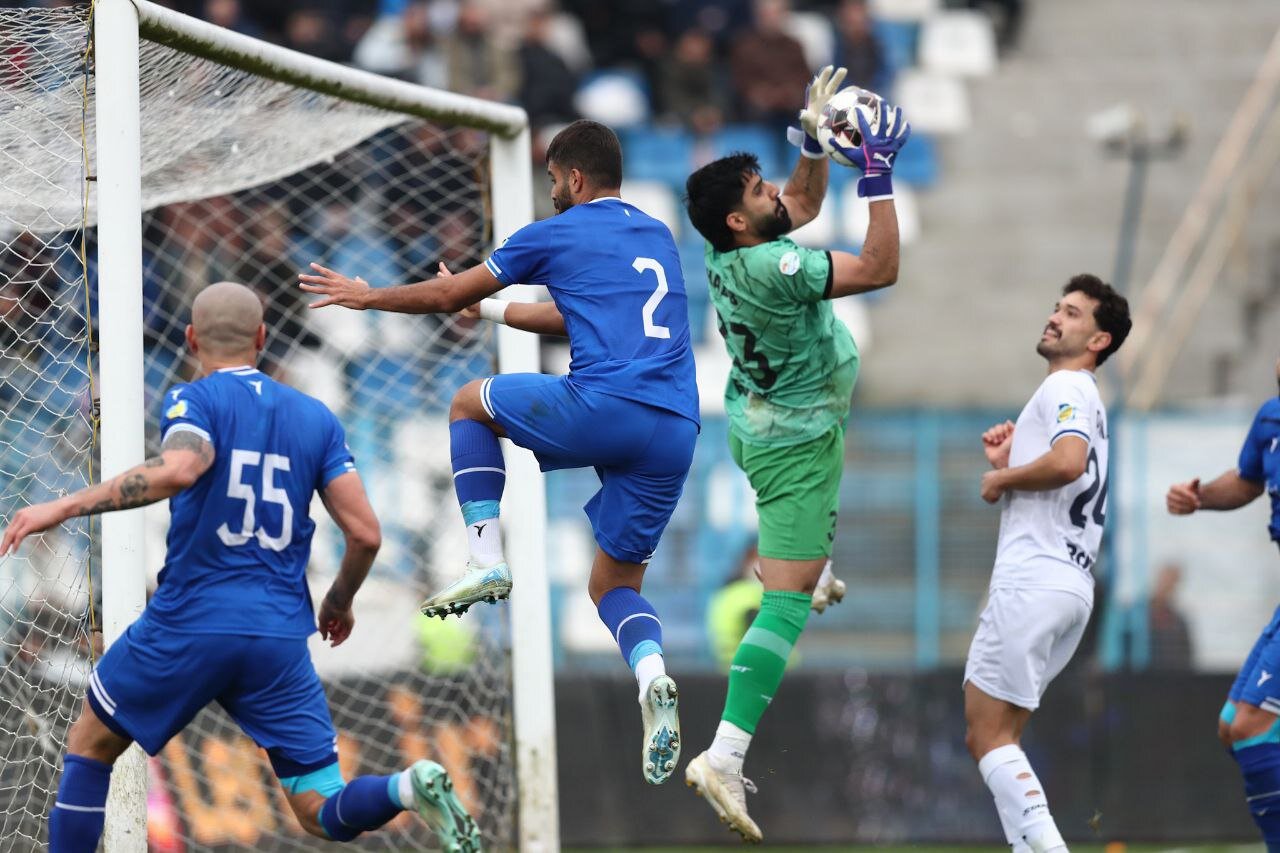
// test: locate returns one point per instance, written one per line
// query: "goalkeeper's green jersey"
(794, 363)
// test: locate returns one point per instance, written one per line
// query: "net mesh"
(247, 180)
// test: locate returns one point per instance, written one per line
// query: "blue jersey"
(1260, 457)
(240, 537)
(614, 274)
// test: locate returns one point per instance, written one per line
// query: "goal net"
(245, 179)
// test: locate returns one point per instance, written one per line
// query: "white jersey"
(1050, 539)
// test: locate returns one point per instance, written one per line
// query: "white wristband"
(494, 310)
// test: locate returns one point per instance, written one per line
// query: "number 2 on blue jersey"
(237, 489)
(652, 329)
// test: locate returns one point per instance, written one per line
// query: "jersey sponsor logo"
(177, 410)
(1065, 411)
(257, 385)
(789, 264)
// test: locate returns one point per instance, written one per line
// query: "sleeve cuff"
(875, 187)
(493, 267)
(1060, 434)
(185, 427)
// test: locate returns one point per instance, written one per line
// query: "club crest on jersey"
(177, 410)
(1065, 411)
(789, 263)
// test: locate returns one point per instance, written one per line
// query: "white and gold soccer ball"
(838, 124)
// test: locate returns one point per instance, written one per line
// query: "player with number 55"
(628, 408)
(1049, 472)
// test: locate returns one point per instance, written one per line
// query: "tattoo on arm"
(185, 439)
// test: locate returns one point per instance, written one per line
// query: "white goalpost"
(187, 154)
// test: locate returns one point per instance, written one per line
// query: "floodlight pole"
(1140, 149)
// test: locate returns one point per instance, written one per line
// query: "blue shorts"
(641, 453)
(153, 681)
(1259, 680)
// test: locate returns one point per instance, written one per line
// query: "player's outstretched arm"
(183, 458)
(541, 318)
(348, 505)
(444, 295)
(1226, 492)
(1065, 462)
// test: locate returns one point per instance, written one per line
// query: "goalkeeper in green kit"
(788, 394)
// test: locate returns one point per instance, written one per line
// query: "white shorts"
(1024, 639)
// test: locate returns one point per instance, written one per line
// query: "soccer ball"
(839, 123)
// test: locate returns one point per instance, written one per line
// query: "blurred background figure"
(769, 67)
(1171, 647)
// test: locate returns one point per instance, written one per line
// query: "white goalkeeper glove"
(821, 88)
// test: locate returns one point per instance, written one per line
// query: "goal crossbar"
(199, 38)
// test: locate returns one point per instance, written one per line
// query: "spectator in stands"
(230, 15)
(478, 64)
(312, 31)
(408, 45)
(858, 48)
(691, 90)
(547, 83)
(269, 268)
(769, 67)
(1170, 639)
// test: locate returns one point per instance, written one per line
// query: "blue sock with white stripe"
(478, 478)
(636, 628)
(1259, 760)
(367, 802)
(75, 824)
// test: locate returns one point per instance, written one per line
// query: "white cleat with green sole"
(436, 803)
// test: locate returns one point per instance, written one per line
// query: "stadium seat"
(854, 217)
(657, 199)
(917, 162)
(815, 35)
(899, 40)
(935, 103)
(904, 10)
(757, 140)
(616, 98)
(695, 285)
(657, 154)
(958, 41)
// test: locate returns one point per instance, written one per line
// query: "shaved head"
(226, 318)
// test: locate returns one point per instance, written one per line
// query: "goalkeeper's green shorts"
(797, 493)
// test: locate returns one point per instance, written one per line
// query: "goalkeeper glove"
(877, 153)
(825, 84)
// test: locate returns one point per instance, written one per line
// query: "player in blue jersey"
(1250, 721)
(240, 458)
(628, 408)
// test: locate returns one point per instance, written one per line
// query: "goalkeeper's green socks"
(756, 672)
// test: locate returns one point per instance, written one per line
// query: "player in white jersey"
(1049, 473)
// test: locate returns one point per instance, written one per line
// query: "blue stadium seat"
(918, 161)
(899, 40)
(765, 144)
(657, 154)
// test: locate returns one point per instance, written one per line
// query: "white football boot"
(480, 583)
(726, 792)
(435, 803)
(660, 711)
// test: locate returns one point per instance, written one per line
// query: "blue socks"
(478, 472)
(1259, 760)
(367, 802)
(634, 625)
(75, 824)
